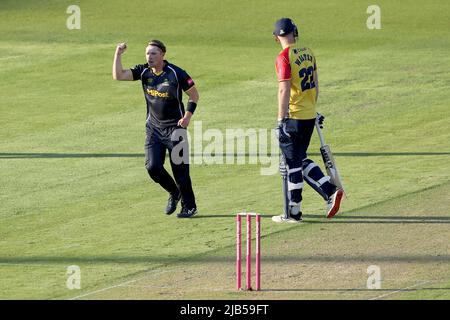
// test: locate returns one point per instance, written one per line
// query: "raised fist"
(121, 47)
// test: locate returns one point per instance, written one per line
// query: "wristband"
(191, 106)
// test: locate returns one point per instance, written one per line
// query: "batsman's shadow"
(348, 289)
(376, 218)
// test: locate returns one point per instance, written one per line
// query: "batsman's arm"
(316, 82)
(284, 92)
(118, 72)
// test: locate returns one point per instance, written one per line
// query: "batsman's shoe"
(187, 213)
(172, 203)
(292, 218)
(334, 203)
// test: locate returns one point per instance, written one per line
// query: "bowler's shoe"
(172, 203)
(187, 213)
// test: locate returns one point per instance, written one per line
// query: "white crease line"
(126, 284)
(401, 290)
(12, 57)
(28, 265)
(104, 289)
(117, 285)
(171, 287)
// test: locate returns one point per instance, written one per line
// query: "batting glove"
(320, 118)
(280, 130)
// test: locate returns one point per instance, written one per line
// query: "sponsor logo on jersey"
(156, 93)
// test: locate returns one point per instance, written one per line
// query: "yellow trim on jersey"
(157, 73)
(302, 101)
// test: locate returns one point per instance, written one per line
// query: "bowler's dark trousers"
(157, 142)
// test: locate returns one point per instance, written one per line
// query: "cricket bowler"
(298, 90)
(167, 119)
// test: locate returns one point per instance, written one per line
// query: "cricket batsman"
(167, 119)
(298, 90)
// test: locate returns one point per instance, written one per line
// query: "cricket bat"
(328, 160)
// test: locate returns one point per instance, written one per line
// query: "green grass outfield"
(74, 191)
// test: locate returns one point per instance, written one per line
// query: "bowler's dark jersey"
(163, 93)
